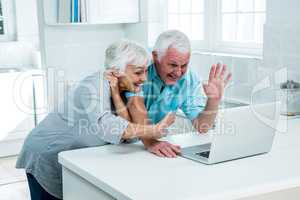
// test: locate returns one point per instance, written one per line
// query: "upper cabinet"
(82, 12)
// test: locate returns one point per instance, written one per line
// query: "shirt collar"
(153, 75)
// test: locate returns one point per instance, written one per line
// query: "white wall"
(22, 52)
(247, 72)
(71, 52)
(78, 51)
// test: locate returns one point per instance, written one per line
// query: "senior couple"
(127, 101)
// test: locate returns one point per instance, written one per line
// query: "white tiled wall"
(281, 39)
(78, 51)
(246, 72)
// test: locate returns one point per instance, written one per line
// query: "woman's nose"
(144, 77)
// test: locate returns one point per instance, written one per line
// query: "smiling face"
(172, 66)
(133, 78)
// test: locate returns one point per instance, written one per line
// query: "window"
(242, 21)
(232, 26)
(1, 20)
(187, 16)
(7, 20)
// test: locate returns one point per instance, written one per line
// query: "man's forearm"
(205, 121)
(139, 115)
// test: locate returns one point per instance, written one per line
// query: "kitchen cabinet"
(95, 12)
(21, 94)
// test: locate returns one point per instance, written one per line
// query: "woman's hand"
(113, 80)
(161, 127)
(149, 131)
(162, 148)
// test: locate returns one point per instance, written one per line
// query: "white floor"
(13, 185)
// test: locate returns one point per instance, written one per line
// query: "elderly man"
(171, 85)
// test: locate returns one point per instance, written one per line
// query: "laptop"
(239, 132)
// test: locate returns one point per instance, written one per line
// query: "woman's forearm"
(142, 131)
(120, 106)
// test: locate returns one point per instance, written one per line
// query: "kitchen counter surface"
(129, 172)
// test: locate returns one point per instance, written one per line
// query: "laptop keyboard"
(204, 154)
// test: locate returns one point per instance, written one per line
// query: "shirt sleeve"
(132, 94)
(195, 101)
(102, 121)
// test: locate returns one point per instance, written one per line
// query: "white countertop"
(130, 172)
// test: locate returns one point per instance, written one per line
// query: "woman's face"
(133, 78)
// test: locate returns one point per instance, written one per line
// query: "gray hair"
(172, 39)
(119, 54)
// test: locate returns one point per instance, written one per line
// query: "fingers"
(168, 152)
(224, 70)
(168, 120)
(176, 149)
(217, 72)
(112, 80)
(109, 72)
(113, 73)
(228, 78)
(118, 74)
(158, 153)
(205, 87)
(212, 72)
(165, 149)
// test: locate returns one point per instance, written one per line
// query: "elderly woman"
(93, 114)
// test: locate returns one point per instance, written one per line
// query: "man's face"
(172, 66)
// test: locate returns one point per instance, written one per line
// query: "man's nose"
(178, 72)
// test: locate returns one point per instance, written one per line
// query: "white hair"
(172, 39)
(119, 54)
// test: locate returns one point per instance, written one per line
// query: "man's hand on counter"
(162, 148)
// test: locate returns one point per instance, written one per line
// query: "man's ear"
(155, 56)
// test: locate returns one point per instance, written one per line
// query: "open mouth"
(173, 77)
(137, 87)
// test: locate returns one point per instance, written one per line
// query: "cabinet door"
(113, 11)
(16, 105)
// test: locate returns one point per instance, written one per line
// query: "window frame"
(202, 45)
(232, 47)
(212, 35)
